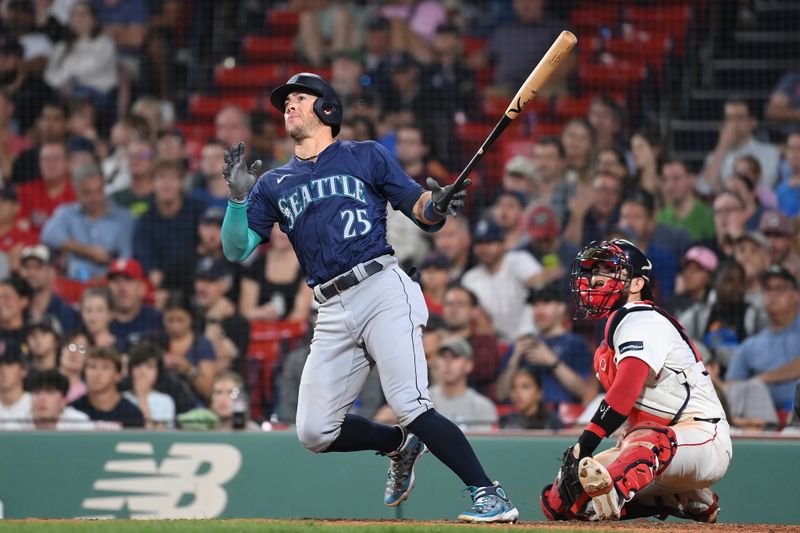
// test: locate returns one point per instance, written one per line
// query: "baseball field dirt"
(365, 526)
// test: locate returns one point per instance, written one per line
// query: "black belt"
(348, 280)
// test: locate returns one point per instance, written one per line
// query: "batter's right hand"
(241, 179)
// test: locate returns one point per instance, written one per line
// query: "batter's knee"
(315, 438)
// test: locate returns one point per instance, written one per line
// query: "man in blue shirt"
(133, 319)
(167, 234)
(92, 231)
(330, 199)
(773, 354)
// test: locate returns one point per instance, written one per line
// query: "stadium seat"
(70, 290)
(268, 342)
(262, 76)
(473, 44)
(588, 18)
(204, 107)
(268, 48)
(283, 21)
(659, 18)
(198, 131)
(615, 75)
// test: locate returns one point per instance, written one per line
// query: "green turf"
(260, 526)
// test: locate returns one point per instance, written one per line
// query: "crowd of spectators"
(117, 308)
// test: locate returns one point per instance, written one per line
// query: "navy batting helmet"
(328, 107)
(617, 262)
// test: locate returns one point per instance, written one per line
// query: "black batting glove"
(240, 178)
(456, 202)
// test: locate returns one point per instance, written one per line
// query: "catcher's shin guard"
(552, 506)
(647, 450)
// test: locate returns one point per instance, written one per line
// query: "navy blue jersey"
(334, 210)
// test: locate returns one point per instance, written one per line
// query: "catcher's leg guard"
(646, 451)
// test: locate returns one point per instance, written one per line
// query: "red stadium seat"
(69, 289)
(660, 18)
(588, 18)
(473, 44)
(650, 48)
(273, 48)
(203, 106)
(616, 75)
(268, 340)
(283, 21)
(201, 132)
(262, 76)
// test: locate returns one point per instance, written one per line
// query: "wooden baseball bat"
(537, 79)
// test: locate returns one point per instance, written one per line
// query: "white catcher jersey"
(677, 388)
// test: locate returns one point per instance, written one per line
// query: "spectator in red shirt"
(39, 198)
(435, 276)
(15, 233)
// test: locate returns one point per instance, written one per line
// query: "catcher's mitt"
(567, 483)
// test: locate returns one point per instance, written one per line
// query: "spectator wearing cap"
(577, 138)
(97, 312)
(777, 228)
(772, 354)
(102, 401)
(207, 185)
(84, 63)
(552, 188)
(145, 366)
(133, 319)
(216, 316)
(15, 299)
(50, 126)
(452, 396)
(177, 276)
(752, 251)
(682, 207)
(592, 215)
(49, 409)
(464, 318)
(508, 212)
(729, 223)
(15, 233)
(561, 359)
(501, 279)
(43, 341)
(36, 267)
(637, 218)
(274, 287)
(454, 242)
(41, 197)
(15, 403)
(167, 233)
(134, 191)
(694, 281)
(434, 278)
(743, 185)
(92, 231)
(519, 175)
(546, 245)
(725, 319)
(788, 191)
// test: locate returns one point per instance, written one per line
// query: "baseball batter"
(677, 442)
(330, 199)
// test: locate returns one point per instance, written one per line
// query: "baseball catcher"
(674, 442)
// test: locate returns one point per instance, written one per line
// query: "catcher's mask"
(602, 274)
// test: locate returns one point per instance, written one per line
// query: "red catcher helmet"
(619, 261)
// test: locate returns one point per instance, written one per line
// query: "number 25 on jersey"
(355, 222)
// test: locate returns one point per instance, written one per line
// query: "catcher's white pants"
(702, 458)
(378, 321)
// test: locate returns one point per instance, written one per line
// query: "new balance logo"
(188, 483)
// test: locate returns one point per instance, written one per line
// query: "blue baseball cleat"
(400, 478)
(490, 504)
